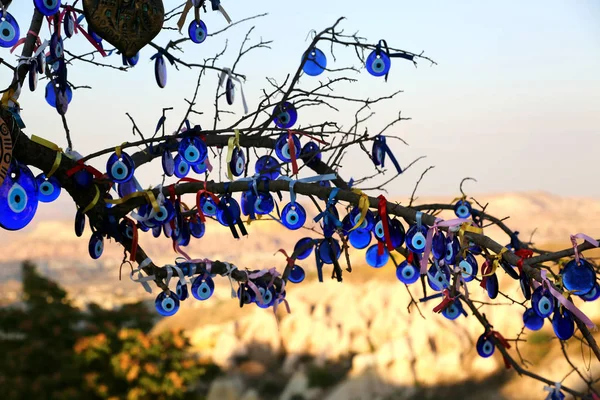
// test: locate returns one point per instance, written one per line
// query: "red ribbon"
(384, 221)
(134, 240)
(290, 260)
(311, 137)
(24, 38)
(504, 344)
(524, 254)
(292, 148)
(445, 303)
(486, 268)
(80, 166)
(201, 193)
(410, 257)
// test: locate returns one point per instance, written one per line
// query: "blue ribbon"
(381, 140)
(328, 216)
(163, 52)
(311, 179)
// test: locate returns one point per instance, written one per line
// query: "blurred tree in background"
(49, 349)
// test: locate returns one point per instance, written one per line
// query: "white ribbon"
(226, 73)
(143, 280)
(230, 269)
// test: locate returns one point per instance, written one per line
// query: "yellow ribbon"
(148, 194)
(458, 199)
(466, 227)
(56, 164)
(363, 204)
(498, 258)
(119, 150)
(93, 202)
(52, 146)
(8, 96)
(231, 143)
(249, 220)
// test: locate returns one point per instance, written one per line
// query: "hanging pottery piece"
(48, 188)
(316, 62)
(197, 31)
(5, 150)
(129, 25)
(9, 31)
(47, 7)
(18, 198)
(285, 115)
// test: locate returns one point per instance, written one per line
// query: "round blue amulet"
(360, 238)
(293, 216)
(407, 273)
(168, 163)
(51, 91)
(182, 291)
(327, 251)
(48, 188)
(166, 304)
(485, 346)
(18, 198)
(297, 274)
(492, 286)
(374, 259)
(268, 166)
(192, 150)
(160, 71)
(532, 321)
(47, 7)
(592, 294)
(579, 278)
(303, 248)
(462, 209)
(453, 310)
(120, 169)
(96, 246)
(237, 165)
(468, 265)
(378, 63)
(315, 63)
(9, 31)
(197, 31)
(285, 116)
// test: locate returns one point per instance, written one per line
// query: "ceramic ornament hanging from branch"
(5, 150)
(129, 25)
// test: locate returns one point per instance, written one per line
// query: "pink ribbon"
(38, 42)
(566, 303)
(585, 237)
(439, 223)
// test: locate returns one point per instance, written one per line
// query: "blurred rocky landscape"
(354, 340)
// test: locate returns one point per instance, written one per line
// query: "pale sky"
(514, 101)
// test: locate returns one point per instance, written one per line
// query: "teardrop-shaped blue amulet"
(160, 71)
(56, 46)
(378, 150)
(315, 63)
(197, 228)
(79, 223)
(48, 189)
(542, 302)
(416, 238)
(209, 206)
(193, 150)
(360, 238)
(327, 251)
(407, 273)
(378, 63)
(485, 346)
(165, 214)
(131, 61)
(491, 286)
(197, 31)
(310, 153)
(438, 277)
(228, 206)
(230, 91)
(268, 166)
(246, 294)
(468, 265)
(297, 274)
(9, 30)
(285, 116)
(127, 188)
(33, 78)
(452, 249)
(579, 278)
(203, 287)
(168, 163)
(563, 324)
(120, 169)
(200, 168)
(525, 283)
(68, 24)
(47, 7)
(453, 310)
(438, 245)
(282, 148)
(532, 321)
(293, 216)
(397, 234)
(182, 291)
(182, 168)
(237, 165)
(592, 294)
(264, 203)
(268, 297)
(303, 248)
(18, 197)
(167, 304)
(96, 246)
(463, 209)
(374, 259)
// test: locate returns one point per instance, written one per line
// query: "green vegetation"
(51, 350)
